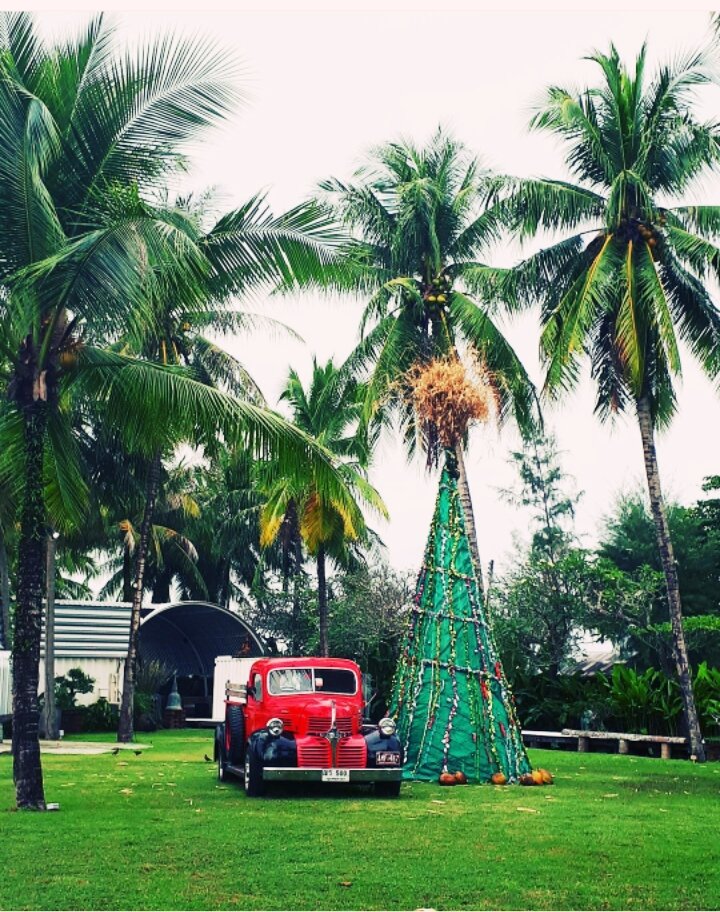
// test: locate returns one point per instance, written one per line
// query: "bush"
(68, 686)
(645, 702)
(100, 716)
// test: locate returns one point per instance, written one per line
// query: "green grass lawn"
(159, 832)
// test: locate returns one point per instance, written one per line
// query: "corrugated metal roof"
(184, 635)
(90, 629)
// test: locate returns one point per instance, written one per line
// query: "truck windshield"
(311, 680)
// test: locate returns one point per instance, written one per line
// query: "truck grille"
(321, 724)
(353, 756)
(316, 753)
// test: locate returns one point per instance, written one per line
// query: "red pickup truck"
(302, 719)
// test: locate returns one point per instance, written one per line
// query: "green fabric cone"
(451, 700)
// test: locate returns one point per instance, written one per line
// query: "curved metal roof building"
(185, 637)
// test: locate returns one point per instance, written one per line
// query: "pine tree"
(451, 698)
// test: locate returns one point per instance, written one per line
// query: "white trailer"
(228, 669)
(5, 689)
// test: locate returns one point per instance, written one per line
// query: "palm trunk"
(667, 558)
(161, 589)
(322, 602)
(225, 585)
(125, 726)
(27, 769)
(465, 500)
(5, 636)
(127, 572)
(285, 571)
(297, 567)
(50, 718)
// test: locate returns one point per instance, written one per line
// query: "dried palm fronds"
(447, 400)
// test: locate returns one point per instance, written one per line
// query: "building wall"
(5, 684)
(106, 672)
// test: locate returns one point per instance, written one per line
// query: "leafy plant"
(151, 675)
(100, 716)
(68, 686)
(707, 690)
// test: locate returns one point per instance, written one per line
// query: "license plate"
(336, 775)
(387, 758)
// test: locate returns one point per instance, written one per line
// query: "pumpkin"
(447, 778)
(498, 779)
(460, 778)
(546, 777)
(527, 779)
(537, 777)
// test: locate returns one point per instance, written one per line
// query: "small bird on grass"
(115, 751)
(208, 759)
(137, 753)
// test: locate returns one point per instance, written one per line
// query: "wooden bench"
(554, 739)
(623, 739)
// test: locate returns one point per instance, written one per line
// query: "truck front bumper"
(315, 774)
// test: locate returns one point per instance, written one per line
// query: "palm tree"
(629, 283)
(82, 257)
(245, 249)
(420, 231)
(297, 506)
(226, 532)
(78, 123)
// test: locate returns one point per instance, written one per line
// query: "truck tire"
(236, 729)
(387, 789)
(254, 782)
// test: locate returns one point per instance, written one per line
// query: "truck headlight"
(275, 727)
(387, 727)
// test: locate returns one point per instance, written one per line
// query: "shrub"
(100, 716)
(645, 702)
(68, 686)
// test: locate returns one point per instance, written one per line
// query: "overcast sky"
(323, 88)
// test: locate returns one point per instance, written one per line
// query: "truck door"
(255, 714)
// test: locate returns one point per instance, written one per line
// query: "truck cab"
(302, 719)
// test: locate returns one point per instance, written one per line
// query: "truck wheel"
(387, 789)
(254, 783)
(236, 727)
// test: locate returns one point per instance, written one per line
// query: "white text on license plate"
(336, 775)
(387, 758)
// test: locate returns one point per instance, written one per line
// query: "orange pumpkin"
(537, 777)
(460, 778)
(498, 779)
(447, 778)
(546, 777)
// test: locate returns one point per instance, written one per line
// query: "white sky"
(324, 87)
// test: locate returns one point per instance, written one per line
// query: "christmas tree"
(451, 699)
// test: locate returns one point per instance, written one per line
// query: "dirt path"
(80, 747)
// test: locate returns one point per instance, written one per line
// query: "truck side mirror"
(251, 691)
